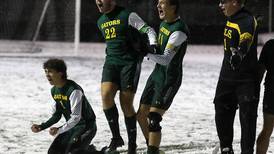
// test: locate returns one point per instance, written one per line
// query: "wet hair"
(175, 3)
(57, 64)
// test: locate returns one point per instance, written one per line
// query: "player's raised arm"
(137, 22)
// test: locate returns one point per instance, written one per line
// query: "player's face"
(165, 10)
(228, 7)
(54, 77)
(104, 6)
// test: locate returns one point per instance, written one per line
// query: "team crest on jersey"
(60, 97)
(110, 23)
(228, 33)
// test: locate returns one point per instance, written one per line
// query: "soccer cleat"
(132, 148)
(114, 144)
(227, 150)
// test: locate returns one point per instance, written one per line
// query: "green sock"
(131, 129)
(112, 117)
(152, 150)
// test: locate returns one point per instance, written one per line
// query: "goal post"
(77, 26)
(37, 30)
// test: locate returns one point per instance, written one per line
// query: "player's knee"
(223, 109)
(106, 96)
(154, 122)
(249, 108)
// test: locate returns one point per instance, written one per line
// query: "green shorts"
(159, 94)
(125, 76)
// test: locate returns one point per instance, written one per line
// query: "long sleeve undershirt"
(174, 41)
(135, 21)
(76, 109)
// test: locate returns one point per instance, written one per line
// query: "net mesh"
(19, 20)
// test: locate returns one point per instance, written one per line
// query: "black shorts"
(77, 137)
(125, 76)
(158, 94)
(268, 100)
(231, 94)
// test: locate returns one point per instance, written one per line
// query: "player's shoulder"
(180, 25)
(72, 85)
(270, 43)
(245, 18)
(101, 19)
(268, 46)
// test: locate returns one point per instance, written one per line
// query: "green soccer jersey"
(116, 27)
(70, 102)
(172, 39)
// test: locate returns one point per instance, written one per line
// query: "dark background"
(19, 19)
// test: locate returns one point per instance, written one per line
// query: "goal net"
(26, 24)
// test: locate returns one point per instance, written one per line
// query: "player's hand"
(235, 59)
(35, 128)
(153, 49)
(53, 131)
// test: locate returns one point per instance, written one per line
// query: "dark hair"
(175, 3)
(58, 65)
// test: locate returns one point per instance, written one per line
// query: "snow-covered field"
(188, 126)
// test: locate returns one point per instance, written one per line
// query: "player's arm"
(76, 110)
(267, 48)
(137, 22)
(246, 38)
(56, 116)
(175, 40)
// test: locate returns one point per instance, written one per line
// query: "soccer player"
(266, 62)
(68, 100)
(166, 78)
(121, 68)
(238, 85)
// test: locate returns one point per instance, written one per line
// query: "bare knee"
(126, 100)
(128, 109)
(108, 92)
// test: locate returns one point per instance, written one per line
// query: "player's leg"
(82, 145)
(164, 95)
(87, 137)
(154, 117)
(264, 136)
(268, 110)
(126, 99)
(225, 104)
(248, 97)
(129, 82)
(224, 120)
(56, 146)
(109, 86)
(142, 115)
(145, 104)
(67, 141)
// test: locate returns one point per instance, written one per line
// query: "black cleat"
(114, 144)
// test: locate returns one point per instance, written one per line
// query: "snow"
(188, 126)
